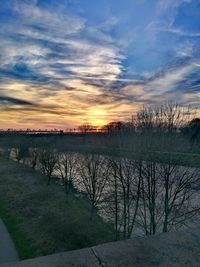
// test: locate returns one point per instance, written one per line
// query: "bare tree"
(21, 148)
(124, 194)
(34, 154)
(167, 117)
(86, 128)
(168, 196)
(192, 131)
(67, 168)
(179, 195)
(150, 192)
(48, 159)
(94, 175)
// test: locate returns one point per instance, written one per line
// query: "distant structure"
(30, 131)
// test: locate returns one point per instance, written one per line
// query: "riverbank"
(38, 217)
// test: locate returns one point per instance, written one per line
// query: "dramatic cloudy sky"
(66, 62)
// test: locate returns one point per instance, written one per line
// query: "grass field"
(38, 217)
(189, 159)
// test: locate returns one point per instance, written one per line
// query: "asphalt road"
(8, 252)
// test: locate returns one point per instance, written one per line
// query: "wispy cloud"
(8, 100)
(60, 65)
(167, 27)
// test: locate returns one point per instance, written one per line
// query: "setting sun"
(97, 116)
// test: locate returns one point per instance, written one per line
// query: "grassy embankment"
(38, 217)
(188, 159)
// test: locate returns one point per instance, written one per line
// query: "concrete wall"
(175, 249)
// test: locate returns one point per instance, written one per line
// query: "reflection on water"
(119, 206)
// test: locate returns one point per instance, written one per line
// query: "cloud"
(49, 20)
(72, 68)
(10, 100)
(167, 27)
(49, 48)
(168, 79)
(166, 5)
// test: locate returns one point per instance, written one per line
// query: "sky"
(68, 62)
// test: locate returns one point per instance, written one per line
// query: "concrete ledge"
(8, 252)
(175, 249)
(169, 249)
(83, 257)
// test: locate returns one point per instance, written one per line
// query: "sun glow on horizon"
(97, 116)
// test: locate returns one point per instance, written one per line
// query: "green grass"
(38, 217)
(189, 159)
(20, 239)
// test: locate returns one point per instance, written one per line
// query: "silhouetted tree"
(192, 130)
(48, 159)
(94, 175)
(166, 117)
(67, 167)
(34, 155)
(86, 128)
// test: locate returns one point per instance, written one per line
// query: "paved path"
(7, 249)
